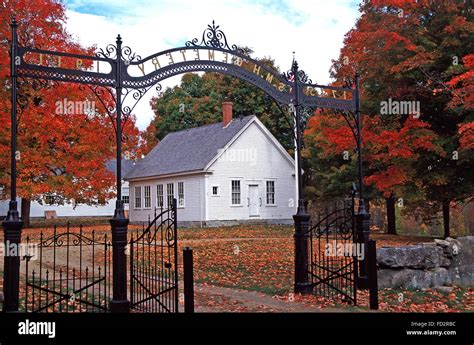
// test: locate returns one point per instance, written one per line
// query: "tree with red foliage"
(61, 152)
(148, 140)
(409, 50)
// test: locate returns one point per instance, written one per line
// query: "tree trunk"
(25, 212)
(391, 220)
(446, 218)
(367, 205)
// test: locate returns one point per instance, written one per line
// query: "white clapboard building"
(47, 206)
(229, 172)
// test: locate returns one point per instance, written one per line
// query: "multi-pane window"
(235, 192)
(138, 197)
(181, 194)
(49, 200)
(147, 196)
(125, 199)
(170, 194)
(159, 195)
(270, 192)
(215, 190)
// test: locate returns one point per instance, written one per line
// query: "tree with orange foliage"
(148, 140)
(410, 51)
(61, 151)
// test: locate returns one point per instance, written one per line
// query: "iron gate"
(67, 272)
(293, 87)
(154, 264)
(332, 266)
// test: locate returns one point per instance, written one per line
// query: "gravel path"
(220, 299)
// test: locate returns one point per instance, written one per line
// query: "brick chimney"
(227, 113)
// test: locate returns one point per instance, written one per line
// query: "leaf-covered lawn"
(461, 299)
(260, 258)
(250, 259)
(242, 231)
(264, 265)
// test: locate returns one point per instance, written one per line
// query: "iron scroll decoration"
(213, 40)
(120, 91)
(213, 37)
(292, 89)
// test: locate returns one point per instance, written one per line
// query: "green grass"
(240, 231)
(73, 221)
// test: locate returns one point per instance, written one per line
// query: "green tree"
(198, 101)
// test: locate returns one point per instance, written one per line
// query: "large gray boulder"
(413, 279)
(409, 256)
(451, 247)
(462, 269)
(439, 263)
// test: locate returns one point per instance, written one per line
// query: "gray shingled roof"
(111, 165)
(187, 150)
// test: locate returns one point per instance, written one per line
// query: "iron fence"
(66, 272)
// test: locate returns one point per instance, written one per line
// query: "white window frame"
(218, 190)
(160, 193)
(169, 197)
(240, 192)
(135, 199)
(267, 193)
(180, 201)
(123, 199)
(146, 197)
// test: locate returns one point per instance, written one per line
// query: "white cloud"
(313, 29)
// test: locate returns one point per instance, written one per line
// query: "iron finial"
(295, 65)
(13, 20)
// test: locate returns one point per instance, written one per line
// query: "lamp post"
(119, 222)
(12, 225)
(301, 217)
(362, 217)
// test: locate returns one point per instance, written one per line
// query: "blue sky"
(314, 29)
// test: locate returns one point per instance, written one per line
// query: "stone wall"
(439, 263)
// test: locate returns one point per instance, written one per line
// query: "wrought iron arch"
(292, 88)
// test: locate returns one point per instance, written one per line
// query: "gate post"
(11, 267)
(301, 219)
(363, 232)
(372, 273)
(119, 222)
(188, 280)
(13, 224)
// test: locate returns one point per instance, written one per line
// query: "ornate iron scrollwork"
(129, 56)
(110, 52)
(213, 37)
(303, 77)
(31, 95)
(136, 96)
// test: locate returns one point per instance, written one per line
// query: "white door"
(254, 201)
